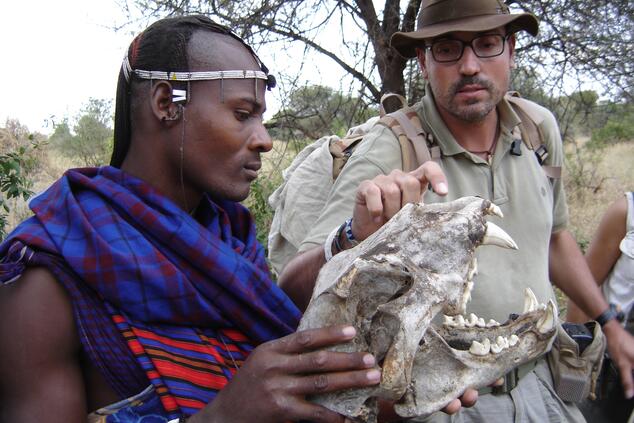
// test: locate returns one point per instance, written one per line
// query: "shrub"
(15, 182)
(257, 202)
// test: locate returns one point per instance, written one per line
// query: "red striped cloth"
(191, 364)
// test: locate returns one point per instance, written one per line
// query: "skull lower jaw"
(515, 342)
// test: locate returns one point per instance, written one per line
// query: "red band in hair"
(135, 49)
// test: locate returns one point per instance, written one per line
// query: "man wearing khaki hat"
(466, 50)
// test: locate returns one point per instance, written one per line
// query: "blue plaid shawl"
(117, 244)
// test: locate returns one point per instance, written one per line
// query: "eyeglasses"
(489, 45)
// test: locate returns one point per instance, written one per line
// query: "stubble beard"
(475, 110)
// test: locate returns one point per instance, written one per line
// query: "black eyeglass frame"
(469, 43)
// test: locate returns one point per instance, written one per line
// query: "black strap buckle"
(516, 148)
(542, 154)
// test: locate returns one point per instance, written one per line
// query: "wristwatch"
(612, 312)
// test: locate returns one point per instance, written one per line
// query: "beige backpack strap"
(415, 135)
(339, 146)
(417, 124)
(532, 135)
(339, 149)
(390, 95)
(408, 153)
(414, 141)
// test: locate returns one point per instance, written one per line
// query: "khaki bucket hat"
(438, 17)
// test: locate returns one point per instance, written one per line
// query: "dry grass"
(607, 175)
(51, 166)
(614, 176)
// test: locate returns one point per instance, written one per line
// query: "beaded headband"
(181, 95)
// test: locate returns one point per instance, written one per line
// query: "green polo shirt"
(533, 205)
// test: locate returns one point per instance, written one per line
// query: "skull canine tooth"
(547, 322)
(466, 295)
(496, 236)
(494, 210)
(473, 269)
(530, 301)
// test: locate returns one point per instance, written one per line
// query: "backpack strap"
(341, 150)
(532, 135)
(416, 144)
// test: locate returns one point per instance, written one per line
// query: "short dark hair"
(163, 46)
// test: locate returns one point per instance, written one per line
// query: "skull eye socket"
(387, 286)
(381, 335)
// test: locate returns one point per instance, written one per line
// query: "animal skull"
(392, 285)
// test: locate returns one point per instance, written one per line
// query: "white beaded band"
(329, 241)
(190, 76)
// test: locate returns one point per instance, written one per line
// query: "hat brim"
(407, 42)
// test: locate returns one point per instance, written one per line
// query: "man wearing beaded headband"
(139, 292)
(466, 50)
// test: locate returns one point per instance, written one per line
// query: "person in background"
(610, 257)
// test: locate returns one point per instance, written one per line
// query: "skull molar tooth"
(502, 341)
(460, 321)
(471, 322)
(449, 321)
(513, 340)
(480, 348)
(500, 344)
(492, 323)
